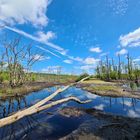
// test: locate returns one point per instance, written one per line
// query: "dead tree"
(17, 56)
(129, 66)
(119, 67)
(107, 69)
(14, 56)
(2, 63)
(32, 58)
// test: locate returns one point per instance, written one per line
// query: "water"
(49, 123)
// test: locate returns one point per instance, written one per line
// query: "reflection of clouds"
(92, 96)
(79, 95)
(67, 95)
(133, 114)
(138, 110)
(63, 105)
(99, 107)
(127, 103)
(82, 96)
(100, 102)
(35, 101)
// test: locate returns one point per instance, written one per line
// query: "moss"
(96, 81)
(104, 88)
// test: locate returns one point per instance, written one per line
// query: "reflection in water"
(53, 125)
(11, 104)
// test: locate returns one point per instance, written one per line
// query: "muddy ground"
(102, 126)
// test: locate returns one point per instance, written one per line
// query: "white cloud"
(137, 60)
(122, 52)
(96, 49)
(87, 67)
(104, 54)
(131, 39)
(45, 37)
(40, 57)
(89, 63)
(75, 58)
(68, 61)
(91, 60)
(24, 11)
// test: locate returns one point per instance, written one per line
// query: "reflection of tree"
(20, 129)
(14, 104)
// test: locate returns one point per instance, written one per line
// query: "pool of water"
(49, 123)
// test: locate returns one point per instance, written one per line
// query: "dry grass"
(96, 81)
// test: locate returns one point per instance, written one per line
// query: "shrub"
(82, 76)
(1, 79)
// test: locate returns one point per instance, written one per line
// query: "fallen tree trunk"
(39, 106)
(15, 117)
(62, 101)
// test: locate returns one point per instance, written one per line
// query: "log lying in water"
(20, 114)
(40, 106)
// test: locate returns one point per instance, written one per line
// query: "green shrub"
(1, 79)
(81, 77)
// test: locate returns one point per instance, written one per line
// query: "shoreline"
(28, 88)
(108, 89)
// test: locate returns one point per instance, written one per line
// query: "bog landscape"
(69, 70)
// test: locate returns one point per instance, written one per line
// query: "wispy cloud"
(131, 39)
(104, 54)
(137, 59)
(78, 59)
(40, 57)
(68, 61)
(44, 49)
(41, 38)
(44, 39)
(122, 52)
(87, 67)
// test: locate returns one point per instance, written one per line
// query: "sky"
(74, 34)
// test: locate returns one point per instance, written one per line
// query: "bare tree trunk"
(119, 67)
(107, 69)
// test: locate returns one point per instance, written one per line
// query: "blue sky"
(74, 34)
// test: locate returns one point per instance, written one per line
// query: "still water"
(49, 124)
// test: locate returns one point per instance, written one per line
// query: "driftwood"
(40, 106)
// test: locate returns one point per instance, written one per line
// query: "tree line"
(108, 70)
